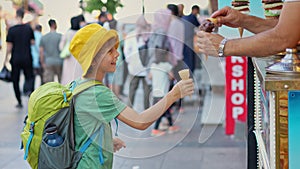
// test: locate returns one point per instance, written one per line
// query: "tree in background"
(109, 5)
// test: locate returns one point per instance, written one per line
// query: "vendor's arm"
(284, 35)
(256, 25)
(233, 18)
(143, 120)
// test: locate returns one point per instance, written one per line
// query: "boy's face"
(108, 60)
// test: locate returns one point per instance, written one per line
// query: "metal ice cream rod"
(241, 31)
(243, 7)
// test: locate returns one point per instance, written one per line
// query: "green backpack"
(53, 103)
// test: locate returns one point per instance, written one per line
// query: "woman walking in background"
(71, 69)
(161, 65)
(137, 70)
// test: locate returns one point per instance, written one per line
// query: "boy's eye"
(111, 51)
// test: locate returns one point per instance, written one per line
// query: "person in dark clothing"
(19, 39)
(102, 18)
(190, 23)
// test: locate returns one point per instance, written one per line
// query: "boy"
(95, 49)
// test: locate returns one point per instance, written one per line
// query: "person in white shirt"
(136, 69)
(160, 74)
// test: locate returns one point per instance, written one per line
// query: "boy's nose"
(117, 54)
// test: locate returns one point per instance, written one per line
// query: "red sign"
(236, 92)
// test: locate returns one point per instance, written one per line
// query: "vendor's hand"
(183, 88)
(208, 43)
(229, 17)
(118, 144)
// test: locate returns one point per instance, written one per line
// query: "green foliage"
(110, 5)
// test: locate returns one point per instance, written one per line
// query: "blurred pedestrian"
(190, 23)
(123, 33)
(35, 52)
(138, 72)
(102, 18)
(19, 39)
(71, 69)
(49, 53)
(161, 75)
(159, 43)
(180, 10)
(176, 38)
(175, 34)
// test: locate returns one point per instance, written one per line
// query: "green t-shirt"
(96, 106)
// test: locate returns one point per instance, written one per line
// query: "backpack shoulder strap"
(77, 89)
(82, 87)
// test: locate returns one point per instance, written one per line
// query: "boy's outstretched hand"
(183, 88)
(118, 144)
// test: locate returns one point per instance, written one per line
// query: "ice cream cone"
(184, 74)
(213, 20)
(241, 30)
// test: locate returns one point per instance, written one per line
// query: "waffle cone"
(213, 20)
(184, 74)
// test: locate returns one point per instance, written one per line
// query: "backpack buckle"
(31, 127)
(65, 96)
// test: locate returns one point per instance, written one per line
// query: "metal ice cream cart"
(276, 117)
